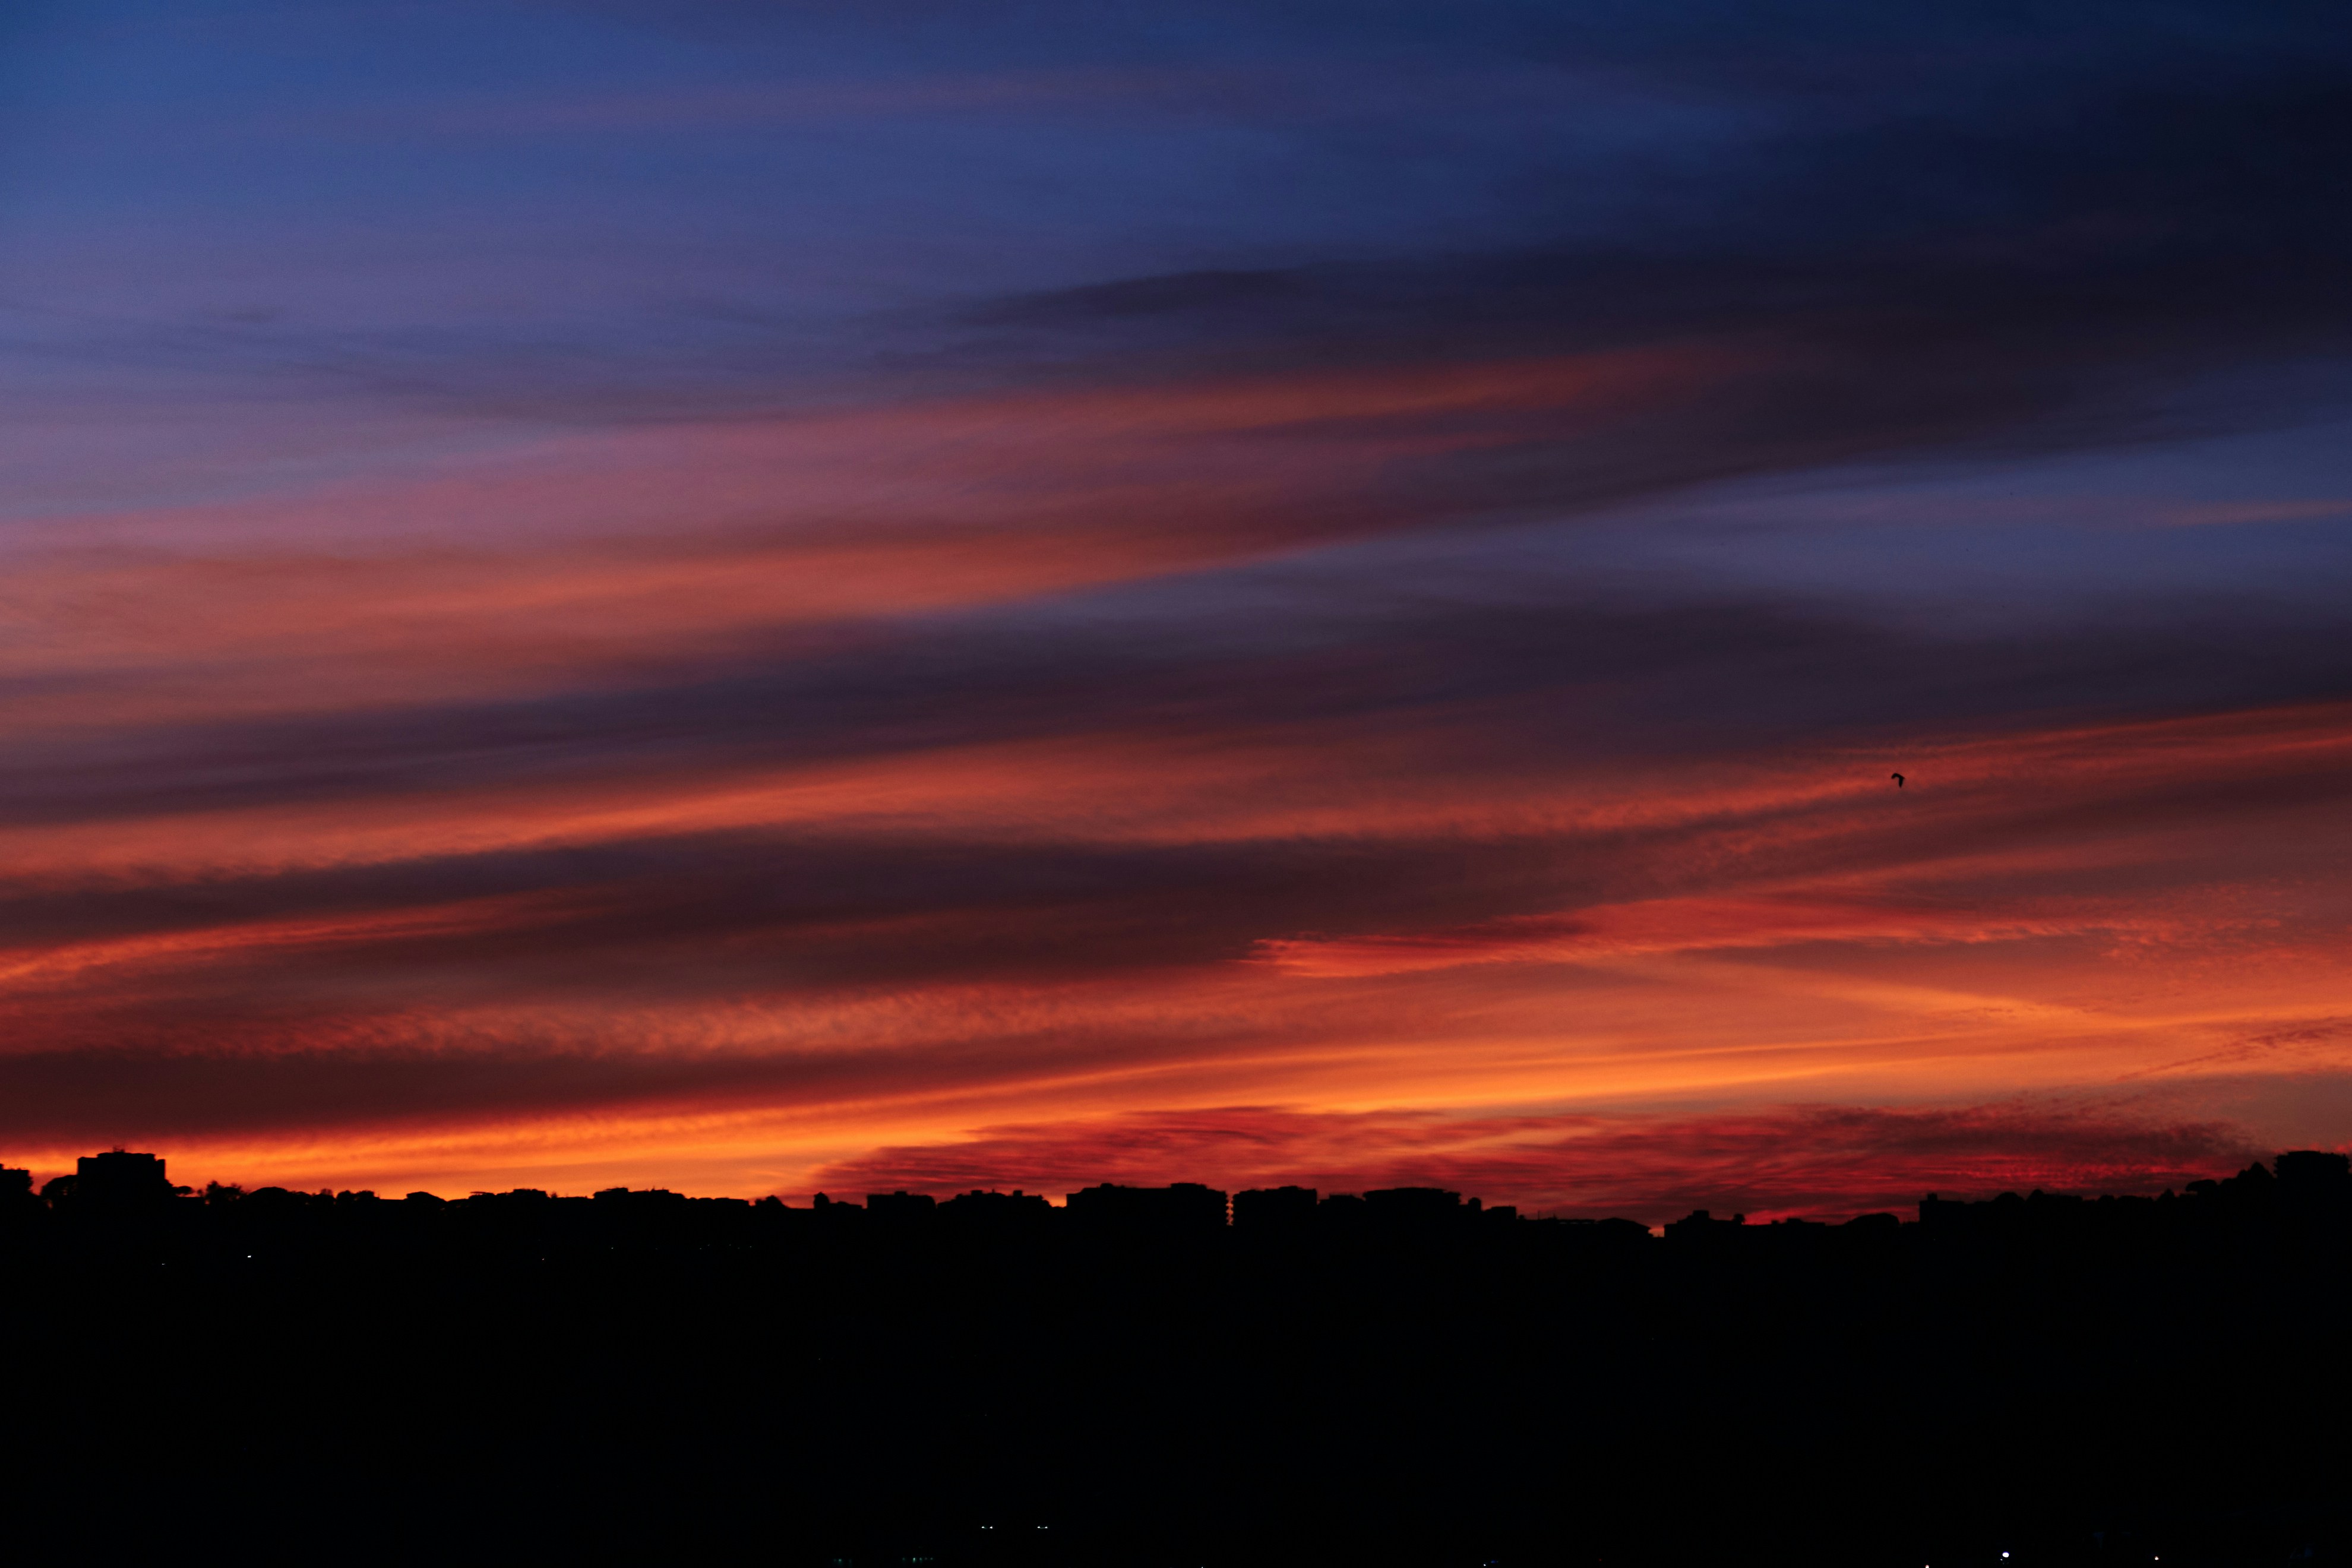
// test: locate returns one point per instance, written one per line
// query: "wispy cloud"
(798, 586)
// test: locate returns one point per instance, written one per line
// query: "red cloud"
(1798, 1159)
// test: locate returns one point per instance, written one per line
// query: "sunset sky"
(762, 598)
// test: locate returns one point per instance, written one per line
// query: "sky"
(767, 597)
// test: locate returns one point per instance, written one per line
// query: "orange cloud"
(591, 559)
(649, 805)
(1803, 951)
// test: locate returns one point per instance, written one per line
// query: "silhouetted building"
(1412, 1209)
(1274, 1208)
(2315, 1171)
(119, 1180)
(835, 1216)
(1342, 1214)
(901, 1208)
(1700, 1225)
(1185, 1207)
(651, 1198)
(1016, 1201)
(900, 1203)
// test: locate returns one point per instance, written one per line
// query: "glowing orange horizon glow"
(500, 916)
(1773, 985)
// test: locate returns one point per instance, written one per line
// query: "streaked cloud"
(776, 598)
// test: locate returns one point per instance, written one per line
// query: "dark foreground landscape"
(1137, 1378)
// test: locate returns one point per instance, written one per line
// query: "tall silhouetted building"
(120, 1180)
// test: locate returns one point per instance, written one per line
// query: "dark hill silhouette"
(1164, 1376)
